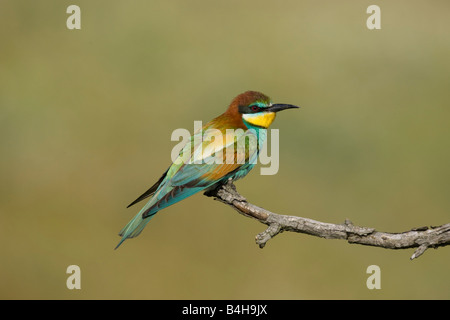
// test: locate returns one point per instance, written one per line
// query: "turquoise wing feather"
(186, 176)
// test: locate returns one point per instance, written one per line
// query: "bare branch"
(420, 238)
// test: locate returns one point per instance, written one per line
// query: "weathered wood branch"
(420, 238)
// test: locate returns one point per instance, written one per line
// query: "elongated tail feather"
(134, 227)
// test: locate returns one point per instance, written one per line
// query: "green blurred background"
(87, 115)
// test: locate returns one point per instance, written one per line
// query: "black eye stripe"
(249, 109)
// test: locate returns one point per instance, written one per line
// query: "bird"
(196, 169)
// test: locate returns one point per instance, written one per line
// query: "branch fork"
(421, 238)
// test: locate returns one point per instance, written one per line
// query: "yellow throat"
(263, 120)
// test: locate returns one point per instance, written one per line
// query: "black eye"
(254, 108)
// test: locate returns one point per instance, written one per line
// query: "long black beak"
(279, 107)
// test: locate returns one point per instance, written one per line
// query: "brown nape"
(244, 99)
(247, 98)
(232, 118)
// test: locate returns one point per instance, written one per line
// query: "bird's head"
(255, 109)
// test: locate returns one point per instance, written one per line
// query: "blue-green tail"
(160, 200)
(134, 227)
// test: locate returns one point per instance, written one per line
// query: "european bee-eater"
(252, 112)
